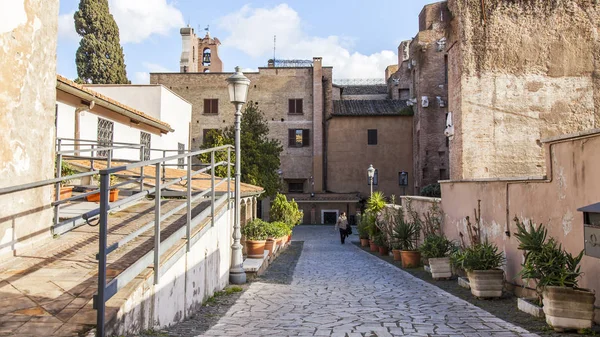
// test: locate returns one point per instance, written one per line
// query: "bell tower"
(208, 49)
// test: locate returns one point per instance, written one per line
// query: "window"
(180, 150)
(295, 106)
(375, 178)
(145, 140)
(372, 137)
(211, 106)
(207, 135)
(443, 174)
(206, 57)
(295, 186)
(404, 94)
(105, 135)
(298, 137)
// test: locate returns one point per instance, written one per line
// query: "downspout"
(77, 132)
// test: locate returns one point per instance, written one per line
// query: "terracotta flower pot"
(270, 246)
(289, 238)
(410, 258)
(364, 242)
(113, 196)
(440, 267)
(373, 246)
(486, 283)
(397, 256)
(256, 249)
(383, 250)
(281, 241)
(66, 192)
(568, 309)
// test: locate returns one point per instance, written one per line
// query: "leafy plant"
(415, 219)
(256, 230)
(484, 256)
(405, 234)
(285, 211)
(363, 225)
(435, 246)
(433, 220)
(67, 170)
(546, 262)
(379, 240)
(280, 229)
(433, 191)
(375, 203)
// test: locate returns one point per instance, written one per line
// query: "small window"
(180, 161)
(443, 174)
(295, 106)
(145, 140)
(295, 187)
(372, 137)
(211, 106)
(298, 137)
(207, 135)
(105, 135)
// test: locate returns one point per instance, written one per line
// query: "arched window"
(206, 57)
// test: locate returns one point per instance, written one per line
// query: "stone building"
(28, 37)
(422, 78)
(199, 54)
(518, 73)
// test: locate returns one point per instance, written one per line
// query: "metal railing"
(107, 290)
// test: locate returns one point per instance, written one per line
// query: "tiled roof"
(65, 81)
(386, 107)
(365, 90)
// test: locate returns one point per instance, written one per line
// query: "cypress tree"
(99, 57)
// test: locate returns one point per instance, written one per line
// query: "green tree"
(285, 211)
(99, 57)
(260, 154)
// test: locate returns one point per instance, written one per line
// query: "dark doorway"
(329, 218)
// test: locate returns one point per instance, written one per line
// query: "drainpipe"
(78, 112)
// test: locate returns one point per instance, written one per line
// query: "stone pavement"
(339, 290)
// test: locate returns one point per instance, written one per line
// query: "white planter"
(568, 308)
(486, 283)
(440, 267)
(527, 305)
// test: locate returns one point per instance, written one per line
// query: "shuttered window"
(295, 106)
(372, 137)
(211, 106)
(298, 137)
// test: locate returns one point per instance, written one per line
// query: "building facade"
(199, 54)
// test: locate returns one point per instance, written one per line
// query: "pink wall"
(574, 181)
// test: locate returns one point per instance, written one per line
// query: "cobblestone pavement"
(338, 290)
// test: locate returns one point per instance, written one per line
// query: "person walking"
(342, 226)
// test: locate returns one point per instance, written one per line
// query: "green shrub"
(435, 246)
(545, 260)
(285, 211)
(433, 191)
(379, 240)
(363, 225)
(256, 230)
(375, 203)
(405, 234)
(483, 256)
(280, 229)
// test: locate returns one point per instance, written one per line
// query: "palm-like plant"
(375, 203)
(405, 233)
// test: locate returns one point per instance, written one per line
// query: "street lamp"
(238, 92)
(371, 174)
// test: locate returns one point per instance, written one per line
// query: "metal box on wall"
(591, 229)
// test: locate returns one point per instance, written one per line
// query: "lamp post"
(371, 174)
(238, 92)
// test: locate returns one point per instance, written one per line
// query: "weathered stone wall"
(349, 155)
(427, 53)
(27, 98)
(553, 202)
(524, 70)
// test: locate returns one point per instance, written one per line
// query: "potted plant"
(405, 234)
(381, 244)
(285, 211)
(363, 232)
(556, 273)
(482, 263)
(396, 251)
(113, 192)
(282, 231)
(437, 249)
(66, 170)
(272, 233)
(256, 233)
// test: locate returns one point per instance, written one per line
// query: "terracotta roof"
(170, 173)
(387, 107)
(324, 197)
(365, 90)
(65, 81)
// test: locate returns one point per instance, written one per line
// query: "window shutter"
(206, 106)
(299, 106)
(292, 106)
(215, 107)
(306, 137)
(291, 137)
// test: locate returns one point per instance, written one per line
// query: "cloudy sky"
(359, 38)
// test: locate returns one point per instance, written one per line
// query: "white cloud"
(139, 19)
(141, 77)
(66, 27)
(252, 29)
(156, 68)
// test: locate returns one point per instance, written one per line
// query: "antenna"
(274, 47)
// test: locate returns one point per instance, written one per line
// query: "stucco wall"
(553, 203)
(524, 71)
(349, 155)
(28, 36)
